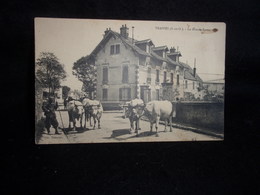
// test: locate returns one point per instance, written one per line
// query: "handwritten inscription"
(187, 28)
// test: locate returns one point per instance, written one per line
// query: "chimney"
(172, 50)
(124, 31)
(194, 69)
(106, 31)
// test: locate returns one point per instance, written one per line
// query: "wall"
(201, 114)
(38, 101)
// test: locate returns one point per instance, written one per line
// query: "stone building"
(128, 69)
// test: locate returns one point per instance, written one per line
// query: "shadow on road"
(78, 130)
(121, 132)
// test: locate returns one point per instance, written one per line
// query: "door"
(145, 94)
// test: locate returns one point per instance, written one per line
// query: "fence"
(201, 114)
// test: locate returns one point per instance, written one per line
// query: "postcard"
(107, 81)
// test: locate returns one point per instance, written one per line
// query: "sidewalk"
(193, 129)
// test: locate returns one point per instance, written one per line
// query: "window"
(149, 79)
(114, 49)
(105, 93)
(186, 84)
(157, 94)
(125, 74)
(171, 77)
(193, 85)
(117, 49)
(157, 76)
(149, 71)
(149, 95)
(178, 79)
(125, 94)
(105, 75)
(164, 76)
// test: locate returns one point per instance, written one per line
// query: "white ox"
(75, 111)
(94, 109)
(159, 110)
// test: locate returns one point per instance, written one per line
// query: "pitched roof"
(127, 42)
(160, 48)
(144, 41)
(158, 57)
(172, 62)
(188, 74)
(174, 53)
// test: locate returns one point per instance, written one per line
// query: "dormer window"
(164, 76)
(114, 49)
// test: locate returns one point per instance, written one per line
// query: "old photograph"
(116, 81)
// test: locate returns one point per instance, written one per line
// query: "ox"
(156, 110)
(87, 107)
(75, 111)
(134, 111)
(96, 110)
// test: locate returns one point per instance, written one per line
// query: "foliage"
(188, 96)
(65, 91)
(176, 93)
(86, 73)
(49, 71)
(77, 94)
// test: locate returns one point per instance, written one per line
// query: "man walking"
(49, 108)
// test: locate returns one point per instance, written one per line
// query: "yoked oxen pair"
(94, 109)
(154, 111)
(134, 112)
(75, 111)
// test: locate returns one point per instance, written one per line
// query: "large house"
(128, 69)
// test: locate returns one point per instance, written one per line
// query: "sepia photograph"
(116, 81)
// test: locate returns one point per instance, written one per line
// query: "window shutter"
(105, 75)
(171, 77)
(129, 94)
(120, 93)
(164, 76)
(157, 76)
(125, 74)
(105, 94)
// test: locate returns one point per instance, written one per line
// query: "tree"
(50, 71)
(77, 94)
(65, 91)
(85, 71)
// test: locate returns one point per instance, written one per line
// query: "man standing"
(49, 108)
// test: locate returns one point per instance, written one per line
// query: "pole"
(63, 126)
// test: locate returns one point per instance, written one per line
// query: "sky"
(71, 39)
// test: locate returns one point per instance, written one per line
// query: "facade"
(128, 69)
